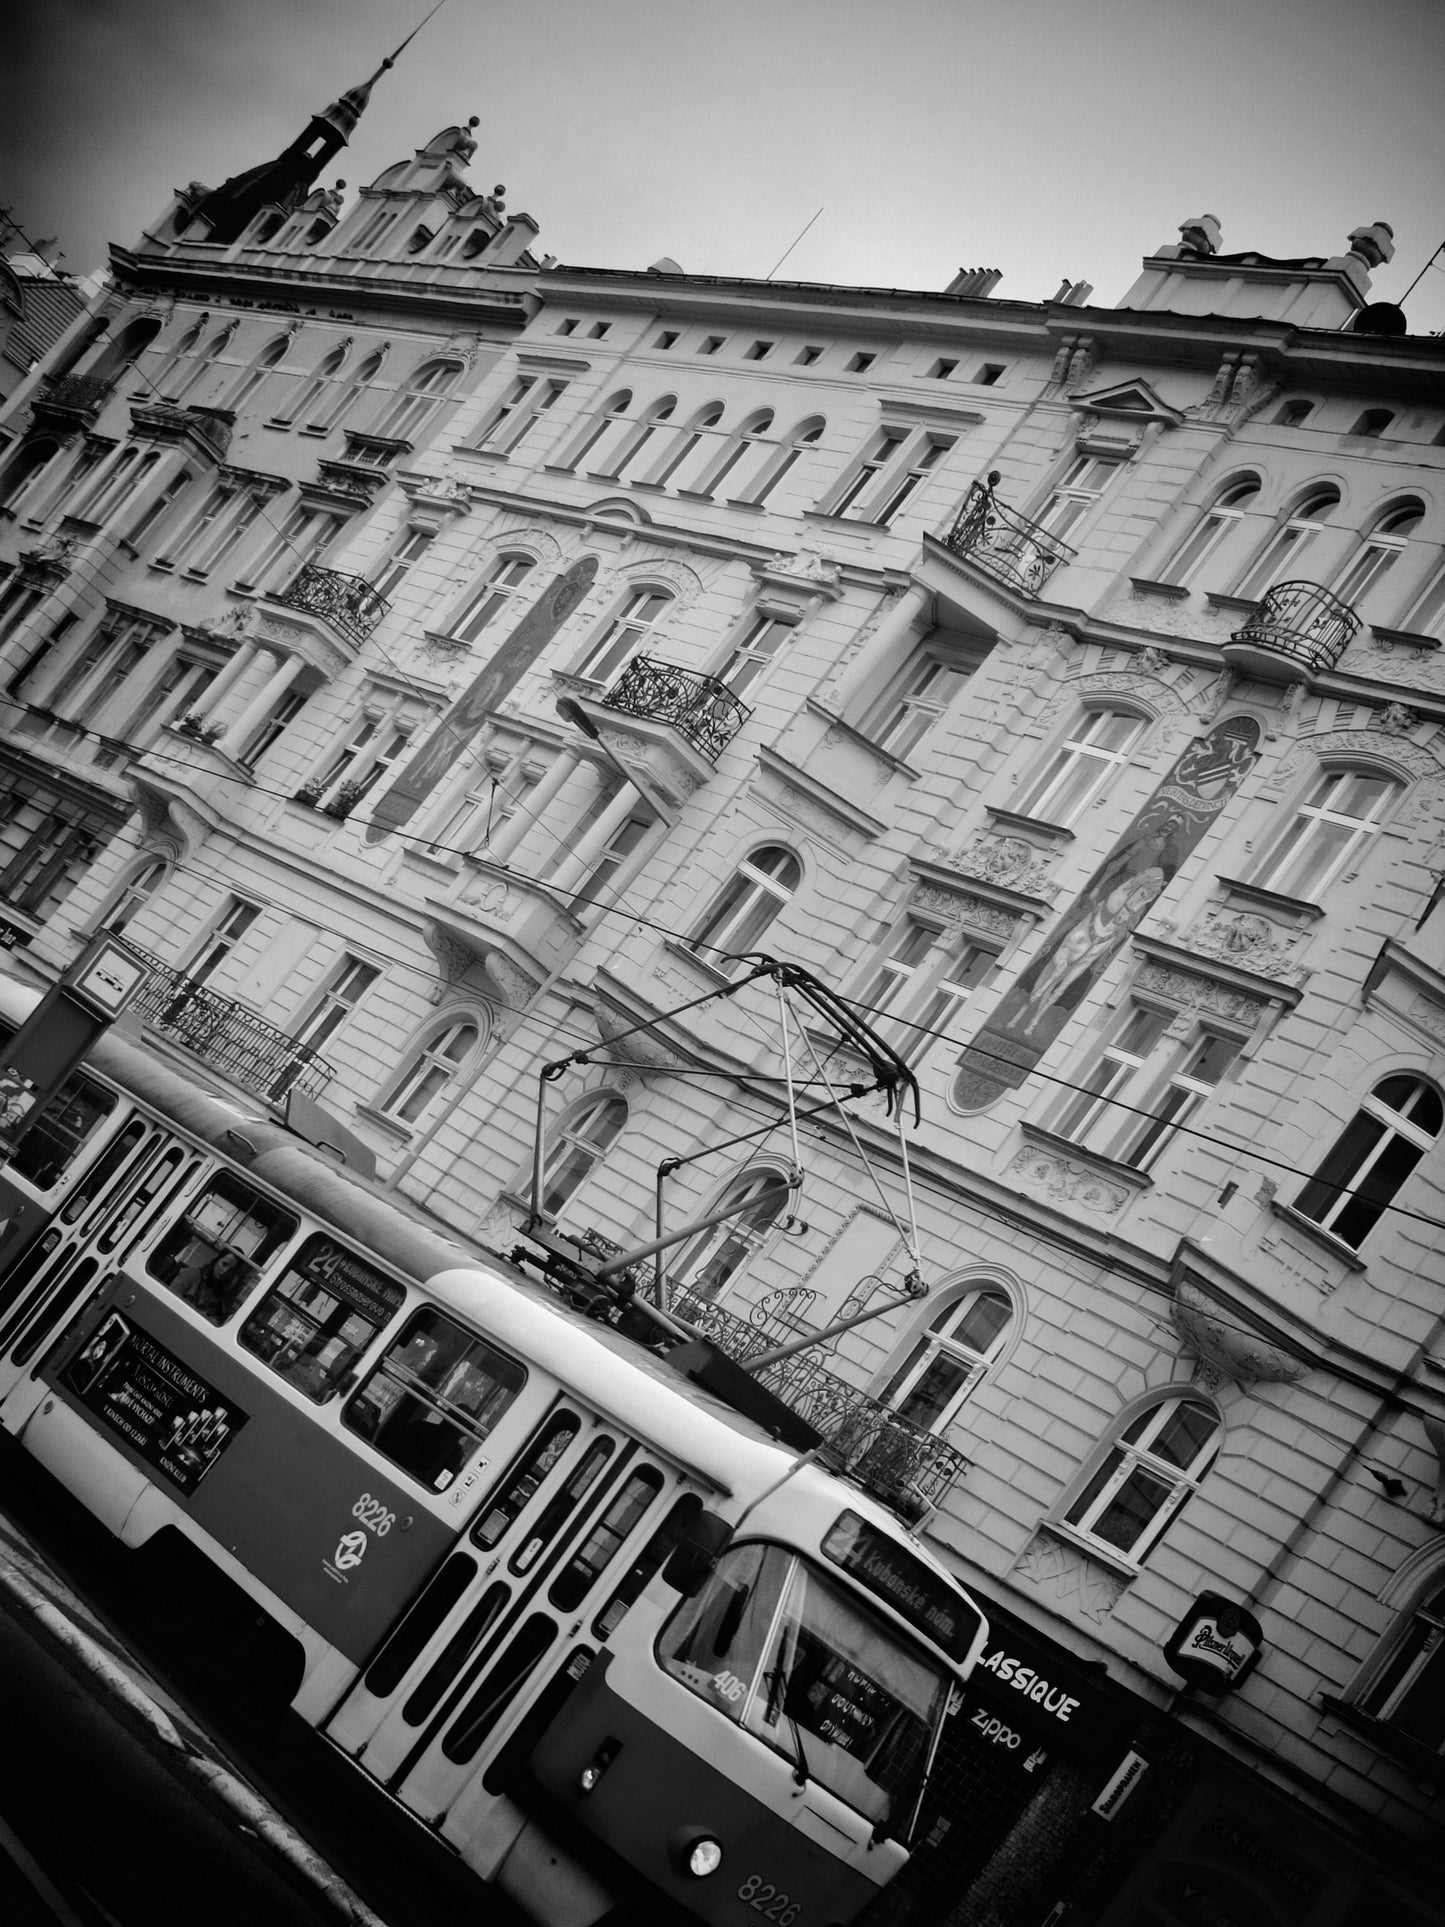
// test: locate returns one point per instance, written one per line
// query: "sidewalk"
(37, 1599)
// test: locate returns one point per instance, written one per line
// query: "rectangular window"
(211, 1256)
(320, 1316)
(753, 651)
(433, 1399)
(1083, 483)
(349, 983)
(1083, 764)
(529, 397)
(760, 350)
(918, 986)
(884, 447)
(231, 926)
(916, 702)
(1140, 1087)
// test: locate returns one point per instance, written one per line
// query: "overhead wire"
(473, 750)
(665, 931)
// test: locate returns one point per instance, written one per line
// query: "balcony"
(71, 401)
(898, 1462)
(232, 1040)
(702, 710)
(666, 726)
(1004, 544)
(515, 929)
(348, 604)
(1297, 630)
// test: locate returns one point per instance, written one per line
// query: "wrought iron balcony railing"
(1005, 544)
(698, 707)
(1301, 623)
(237, 1042)
(74, 394)
(351, 606)
(899, 1462)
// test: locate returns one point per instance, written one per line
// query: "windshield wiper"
(777, 1702)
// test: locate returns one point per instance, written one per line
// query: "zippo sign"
(1216, 1645)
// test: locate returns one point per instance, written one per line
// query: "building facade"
(443, 664)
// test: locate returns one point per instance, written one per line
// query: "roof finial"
(346, 112)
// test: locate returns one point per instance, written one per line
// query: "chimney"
(975, 284)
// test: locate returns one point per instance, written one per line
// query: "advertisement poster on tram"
(174, 1420)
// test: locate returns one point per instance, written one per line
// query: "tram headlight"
(595, 1768)
(697, 1852)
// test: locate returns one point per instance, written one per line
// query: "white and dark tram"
(616, 1645)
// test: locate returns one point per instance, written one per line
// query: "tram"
(625, 1652)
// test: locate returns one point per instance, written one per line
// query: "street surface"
(142, 1788)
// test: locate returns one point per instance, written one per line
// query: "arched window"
(1338, 816)
(1288, 542)
(758, 890)
(698, 430)
(183, 347)
(950, 1357)
(642, 434)
(1367, 1164)
(734, 448)
(430, 1069)
(1379, 552)
(189, 378)
(806, 435)
(1149, 1469)
(418, 399)
(577, 1144)
(614, 409)
(269, 357)
(348, 393)
(1088, 759)
(1403, 1682)
(1292, 413)
(28, 467)
(1218, 521)
(310, 400)
(126, 348)
(115, 487)
(709, 1262)
(135, 894)
(496, 590)
(629, 630)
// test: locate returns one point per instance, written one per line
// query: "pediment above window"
(1134, 400)
(1409, 989)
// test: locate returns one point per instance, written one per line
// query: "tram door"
(55, 1279)
(514, 1614)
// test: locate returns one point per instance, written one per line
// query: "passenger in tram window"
(214, 1285)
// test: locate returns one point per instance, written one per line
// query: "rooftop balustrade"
(1004, 543)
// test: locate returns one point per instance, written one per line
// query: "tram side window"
(319, 1317)
(61, 1131)
(600, 1547)
(211, 1256)
(435, 1395)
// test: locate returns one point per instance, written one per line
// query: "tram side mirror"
(693, 1559)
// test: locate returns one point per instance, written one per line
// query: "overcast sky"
(1048, 138)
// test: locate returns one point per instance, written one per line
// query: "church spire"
(284, 183)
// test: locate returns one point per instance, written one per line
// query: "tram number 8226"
(769, 1901)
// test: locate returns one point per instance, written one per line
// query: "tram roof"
(613, 1374)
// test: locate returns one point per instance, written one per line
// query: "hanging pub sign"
(1216, 1645)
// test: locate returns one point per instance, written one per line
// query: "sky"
(1051, 139)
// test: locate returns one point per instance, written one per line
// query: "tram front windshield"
(778, 1646)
